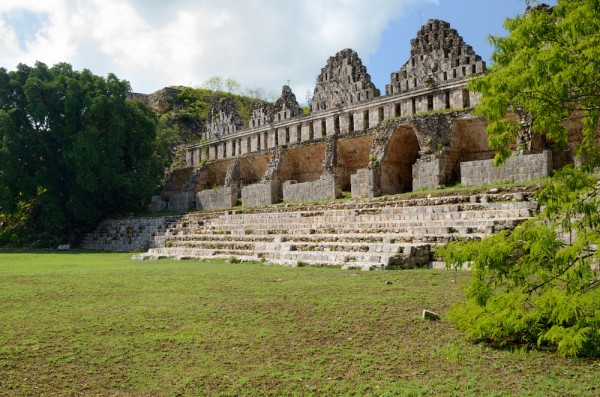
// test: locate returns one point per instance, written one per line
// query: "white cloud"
(157, 43)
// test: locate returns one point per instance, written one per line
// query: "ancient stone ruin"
(343, 81)
(420, 134)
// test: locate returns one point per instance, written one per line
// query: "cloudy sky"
(260, 43)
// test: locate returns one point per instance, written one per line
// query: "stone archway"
(303, 163)
(399, 156)
(253, 168)
(352, 155)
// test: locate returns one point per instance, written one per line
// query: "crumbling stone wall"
(344, 80)
(438, 55)
(345, 100)
(416, 136)
(232, 178)
(325, 187)
(286, 106)
(516, 168)
(303, 163)
(258, 194)
(224, 197)
(223, 120)
(260, 116)
(352, 155)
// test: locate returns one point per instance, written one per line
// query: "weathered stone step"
(319, 246)
(355, 234)
(189, 253)
(405, 218)
(412, 256)
(357, 238)
(394, 208)
(463, 228)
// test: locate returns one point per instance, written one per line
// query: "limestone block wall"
(323, 188)
(225, 197)
(157, 204)
(432, 173)
(518, 168)
(126, 235)
(181, 202)
(260, 194)
(365, 183)
(438, 54)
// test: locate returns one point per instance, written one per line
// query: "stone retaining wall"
(181, 202)
(430, 174)
(126, 235)
(225, 197)
(260, 194)
(365, 183)
(323, 188)
(518, 168)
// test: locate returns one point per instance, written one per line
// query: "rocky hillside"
(184, 112)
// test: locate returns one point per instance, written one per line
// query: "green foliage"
(72, 149)
(198, 101)
(545, 71)
(213, 83)
(538, 283)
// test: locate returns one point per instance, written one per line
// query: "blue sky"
(261, 43)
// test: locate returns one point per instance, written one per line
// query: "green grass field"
(86, 324)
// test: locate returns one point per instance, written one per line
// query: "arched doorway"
(400, 154)
(352, 155)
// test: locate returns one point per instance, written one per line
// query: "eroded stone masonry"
(420, 134)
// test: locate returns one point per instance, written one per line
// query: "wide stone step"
(298, 239)
(410, 257)
(373, 234)
(209, 236)
(314, 246)
(383, 261)
(194, 253)
(415, 228)
(406, 219)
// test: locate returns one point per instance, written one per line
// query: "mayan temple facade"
(420, 134)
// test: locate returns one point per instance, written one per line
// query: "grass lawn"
(87, 324)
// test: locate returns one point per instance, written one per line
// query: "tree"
(232, 86)
(213, 83)
(72, 149)
(539, 283)
(545, 71)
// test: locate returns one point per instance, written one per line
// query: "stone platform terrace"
(367, 235)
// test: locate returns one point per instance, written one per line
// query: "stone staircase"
(364, 235)
(129, 234)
